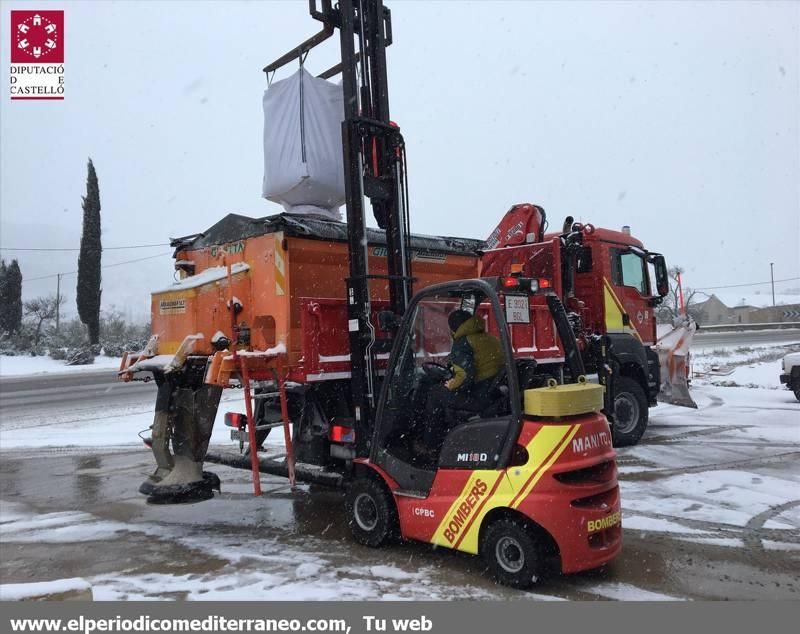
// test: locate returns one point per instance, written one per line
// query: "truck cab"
(616, 279)
(610, 285)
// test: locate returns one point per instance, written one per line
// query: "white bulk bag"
(303, 145)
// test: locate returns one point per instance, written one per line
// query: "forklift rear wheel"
(511, 553)
(630, 412)
(371, 513)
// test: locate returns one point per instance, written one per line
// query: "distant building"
(713, 311)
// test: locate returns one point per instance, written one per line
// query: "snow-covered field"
(25, 365)
(757, 366)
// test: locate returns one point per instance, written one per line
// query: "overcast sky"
(679, 119)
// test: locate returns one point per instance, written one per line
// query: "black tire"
(631, 412)
(796, 390)
(511, 552)
(372, 513)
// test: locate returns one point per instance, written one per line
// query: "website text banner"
(362, 617)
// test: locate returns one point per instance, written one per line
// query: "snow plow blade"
(673, 357)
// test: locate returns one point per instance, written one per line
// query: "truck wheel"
(630, 412)
(797, 391)
(511, 553)
(371, 513)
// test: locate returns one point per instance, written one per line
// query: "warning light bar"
(234, 419)
(514, 282)
(341, 434)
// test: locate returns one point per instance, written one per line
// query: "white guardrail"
(778, 325)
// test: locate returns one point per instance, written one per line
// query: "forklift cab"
(476, 425)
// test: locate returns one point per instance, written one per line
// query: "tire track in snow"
(689, 435)
(657, 474)
(755, 531)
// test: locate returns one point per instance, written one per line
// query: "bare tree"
(670, 308)
(40, 311)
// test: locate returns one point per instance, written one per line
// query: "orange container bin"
(280, 264)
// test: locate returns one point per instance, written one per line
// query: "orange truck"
(289, 274)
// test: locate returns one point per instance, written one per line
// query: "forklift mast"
(375, 168)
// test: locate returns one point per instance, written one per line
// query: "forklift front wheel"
(511, 553)
(371, 513)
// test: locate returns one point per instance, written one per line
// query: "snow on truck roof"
(212, 274)
(237, 227)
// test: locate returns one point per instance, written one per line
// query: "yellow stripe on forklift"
(543, 450)
(462, 516)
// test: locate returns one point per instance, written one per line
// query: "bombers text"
(459, 518)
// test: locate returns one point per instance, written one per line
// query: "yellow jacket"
(476, 355)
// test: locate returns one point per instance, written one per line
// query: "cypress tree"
(88, 291)
(14, 281)
(3, 297)
(10, 297)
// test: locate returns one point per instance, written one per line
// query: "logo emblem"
(37, 36)
(37, 55)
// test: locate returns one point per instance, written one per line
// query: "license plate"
(518, 309)
(238, 434)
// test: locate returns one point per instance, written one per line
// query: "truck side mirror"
(662, 278)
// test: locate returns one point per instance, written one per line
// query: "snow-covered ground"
(45, 589)
(757, 366)
(114, 426)
(725, 476)
(706, 476)
(25, 365)
(245, 556)
(704, 468)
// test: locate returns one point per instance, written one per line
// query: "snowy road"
(707, 338)
(711, 505)
(82, 390)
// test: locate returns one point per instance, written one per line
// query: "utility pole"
(772, 280)
(58, 300)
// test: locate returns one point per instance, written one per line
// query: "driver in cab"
(476, 357)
